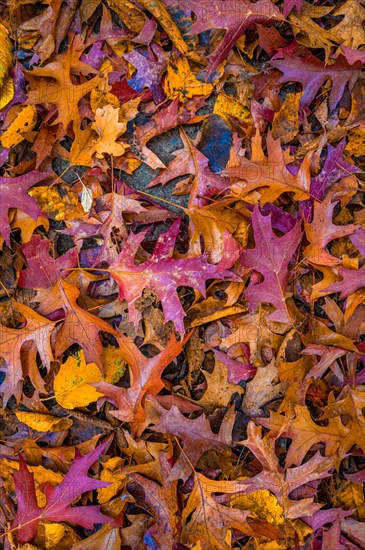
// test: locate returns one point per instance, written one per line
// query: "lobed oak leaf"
(313, 73)
(109, 129)
(270, 172)
(78, 327)
(322, 231)
(163, 274)
(42, 270)
(110, 208)
(206, 521)
(37, 329)
(59, 499)
(350, 29)
(271, 258)
(311, 34)
(162, 502)
(197, 437)
(279, 481)
(349, 404)
(146, 380)
(304, 433)
(190, 160)
(61, 90)
(351, 281)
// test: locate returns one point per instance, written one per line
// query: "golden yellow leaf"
(350, 496)
(109, 123)
(182, 83)
(41, 475)
(131, 16)
(286, 121)
(26, 224)
(6, 58)
(51, 202)
(227, 105)
(6, 92)
(25, 121)
(55, 536)
(72, 383)
(356, 144)
(43, 422)
(114, 366)
(112, 473)
(6, 63)
(109, 129)
(261, 504)
(51, 533)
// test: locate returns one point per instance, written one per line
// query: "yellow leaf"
(6, 92)
(72, 383)
(261, 504)
(26, 224)
(114, 366)
(350, 496)
(51, 202)
(6, 58)
(43, 422)
(51, 533)
(286, 121)
(356, 144)
(41, 475)
(55, 536)
(112, 473)
(6, 63)
(25, 121)
(108, 127)
(227, 105)
(181, 82)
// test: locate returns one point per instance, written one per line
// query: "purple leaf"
(289, 5)
(150, 69)
(313, 73)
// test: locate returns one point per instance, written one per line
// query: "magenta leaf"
(271, 258)
(13, 194)
(42, 270)
(289, 5)
(163, 274)
(59, 499)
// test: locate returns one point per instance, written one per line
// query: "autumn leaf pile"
(182, 274)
